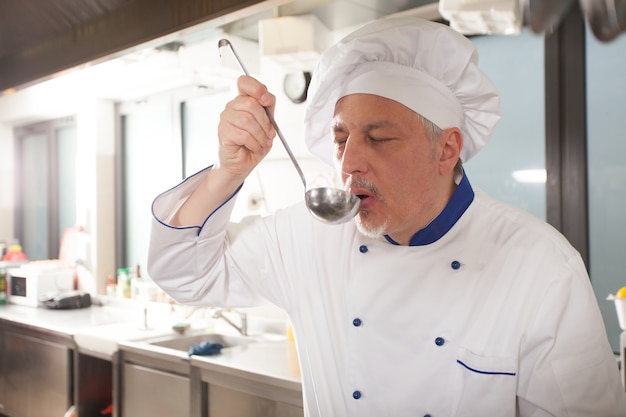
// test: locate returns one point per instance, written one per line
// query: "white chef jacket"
(490, 313)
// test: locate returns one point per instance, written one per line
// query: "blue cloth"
(206, 349)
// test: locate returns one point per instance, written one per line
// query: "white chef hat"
(423, 65)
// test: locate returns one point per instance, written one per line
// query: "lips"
(364, 195)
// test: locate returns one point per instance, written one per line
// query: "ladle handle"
(226, 42)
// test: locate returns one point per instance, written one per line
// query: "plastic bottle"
(123, 283)
(3, 286)
(135, 283)
(111, 288)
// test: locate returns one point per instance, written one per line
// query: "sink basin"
(183, 343)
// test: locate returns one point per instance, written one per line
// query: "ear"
(451, 143)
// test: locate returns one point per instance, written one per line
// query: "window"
(606, 147)
(164, 139)
(45, 186)
(150, 159)
(511, 167)
(199, 119)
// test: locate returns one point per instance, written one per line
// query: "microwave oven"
(30, 282)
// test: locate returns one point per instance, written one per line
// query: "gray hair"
(433, 132)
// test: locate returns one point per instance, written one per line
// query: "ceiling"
(39, 38)
(24, 24)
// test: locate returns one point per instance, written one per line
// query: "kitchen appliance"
(66, 300)
(28, 283)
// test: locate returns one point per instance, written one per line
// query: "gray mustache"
(362, 183)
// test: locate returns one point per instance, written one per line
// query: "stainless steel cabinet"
(157, 384)
(151, 392)
(227, 402)
(35, 372)
(153, 387)
(237, 393)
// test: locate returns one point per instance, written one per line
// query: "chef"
(436, 300)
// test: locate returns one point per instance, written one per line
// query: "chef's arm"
(216, 188)
(245, 136)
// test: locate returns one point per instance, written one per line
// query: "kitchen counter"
(100, 329)
(71, 321)
(113, 350)
(66, 322)
(268, 357)
(277, 360)
(96, 329)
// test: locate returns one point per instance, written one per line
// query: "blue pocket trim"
(484, 372)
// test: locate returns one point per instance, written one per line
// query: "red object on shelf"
(15, 254)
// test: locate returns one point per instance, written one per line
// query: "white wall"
(95, 120)
(96, 190)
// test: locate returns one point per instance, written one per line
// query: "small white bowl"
(181, 327)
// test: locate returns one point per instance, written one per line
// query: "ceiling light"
(530, 176)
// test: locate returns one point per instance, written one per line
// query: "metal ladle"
(329, 205)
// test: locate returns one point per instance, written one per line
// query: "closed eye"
(377, 139)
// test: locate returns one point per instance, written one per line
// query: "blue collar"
(452, 212)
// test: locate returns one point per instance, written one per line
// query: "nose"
(353, 158)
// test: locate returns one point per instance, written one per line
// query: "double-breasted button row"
(357, 322)
(454, 264)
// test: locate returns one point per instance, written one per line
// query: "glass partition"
(46, 185)
(199, 119)
(606, 110)
(151, 161)
(33, 191)
(511, 167)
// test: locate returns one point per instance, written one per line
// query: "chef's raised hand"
(245, 132)
(245, 137)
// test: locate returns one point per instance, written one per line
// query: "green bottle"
(3, 286)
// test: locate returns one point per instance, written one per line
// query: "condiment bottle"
(111, 287)
(123, 283)
(3, 286)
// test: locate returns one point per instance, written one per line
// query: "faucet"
(243, 329)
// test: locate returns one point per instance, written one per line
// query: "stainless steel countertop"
(102, 329)
(66, 322)
(271, 359)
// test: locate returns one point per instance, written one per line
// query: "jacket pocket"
(484, 385)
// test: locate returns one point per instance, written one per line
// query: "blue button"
(363, 249)
(356, 395)
(426, 415)
(356, 322)
(455, 264)
(440, 341)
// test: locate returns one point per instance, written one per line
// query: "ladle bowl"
(328, 205)
(331, 205)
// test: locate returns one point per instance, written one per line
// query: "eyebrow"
(339, 127)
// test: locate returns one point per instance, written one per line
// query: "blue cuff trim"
(207, 218)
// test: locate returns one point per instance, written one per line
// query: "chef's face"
(403, 178)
